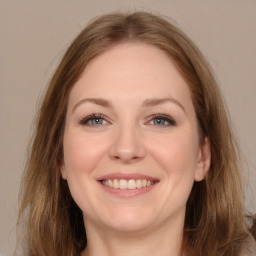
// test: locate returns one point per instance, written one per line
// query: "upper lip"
(126, 176)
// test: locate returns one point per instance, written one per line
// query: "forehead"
(131, 70)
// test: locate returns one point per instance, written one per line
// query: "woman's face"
(131, 144)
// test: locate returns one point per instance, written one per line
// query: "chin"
(129, 221)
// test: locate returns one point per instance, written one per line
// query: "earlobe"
(204, 160)
(63, 172)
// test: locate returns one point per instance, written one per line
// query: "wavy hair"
(50, 219)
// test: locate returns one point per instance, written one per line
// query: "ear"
(203, 160)
(63, 171)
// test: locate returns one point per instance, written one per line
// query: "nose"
(127, 145)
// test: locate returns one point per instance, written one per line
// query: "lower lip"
(127, 193)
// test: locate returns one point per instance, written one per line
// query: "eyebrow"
(155, 101)
(97, 101)
(147, 103)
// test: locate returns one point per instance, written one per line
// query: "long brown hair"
(52, 223)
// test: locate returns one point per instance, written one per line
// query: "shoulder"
(249, 247)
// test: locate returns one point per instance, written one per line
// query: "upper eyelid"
(161, 115)
(83, 120)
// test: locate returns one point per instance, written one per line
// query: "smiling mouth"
(128, 184)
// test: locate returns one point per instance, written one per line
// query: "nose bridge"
(128, 142)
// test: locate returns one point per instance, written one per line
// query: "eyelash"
(168, 119)
(86, 120)
(161, 117)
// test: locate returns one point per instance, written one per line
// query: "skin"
(130, 139)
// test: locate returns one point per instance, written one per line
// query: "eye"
(94, 120)
(162, 120)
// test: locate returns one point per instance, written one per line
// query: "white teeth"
(127, 184)
(139, 183)
(131, 184)
(115, 184)
(110, 183)
(123, 184)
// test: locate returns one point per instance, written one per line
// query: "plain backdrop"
(35, 34)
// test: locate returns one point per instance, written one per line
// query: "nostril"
(126, 157)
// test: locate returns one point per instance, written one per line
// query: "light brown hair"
(53, 225)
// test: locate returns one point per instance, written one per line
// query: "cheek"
(82, 153)
(177, 158)
(177, 155)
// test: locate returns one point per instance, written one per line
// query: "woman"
(133, 152)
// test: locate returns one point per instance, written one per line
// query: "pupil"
(96, 121)
(159, 121)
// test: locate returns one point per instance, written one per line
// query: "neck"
(157, 242)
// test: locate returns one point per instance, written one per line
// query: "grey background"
(35, 34)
